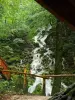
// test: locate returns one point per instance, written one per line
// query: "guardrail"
(40, 76)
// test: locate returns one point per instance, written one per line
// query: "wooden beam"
(41, 76)
(44, 88)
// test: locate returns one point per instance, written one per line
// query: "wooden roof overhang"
(62, 9)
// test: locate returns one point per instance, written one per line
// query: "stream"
(37, 66)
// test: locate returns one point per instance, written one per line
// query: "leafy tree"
(18, 25)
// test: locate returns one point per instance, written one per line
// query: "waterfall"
(36, 65)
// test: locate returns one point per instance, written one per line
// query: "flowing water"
(37, 66)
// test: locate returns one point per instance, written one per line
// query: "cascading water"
(36, 65)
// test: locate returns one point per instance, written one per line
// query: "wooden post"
(44, 84)
(25, 86)
(0, 62)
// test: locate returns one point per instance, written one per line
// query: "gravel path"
(24, 97)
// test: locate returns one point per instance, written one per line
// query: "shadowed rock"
(69, 94)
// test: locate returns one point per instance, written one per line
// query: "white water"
(36, 66)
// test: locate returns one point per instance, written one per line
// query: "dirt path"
(24, 97)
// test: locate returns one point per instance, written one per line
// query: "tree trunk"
(58, 57)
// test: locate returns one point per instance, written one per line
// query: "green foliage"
(15, 85)
(38, 90)
(18, 25)
(4, 85)
(1, 10)
(19, 21)
(22, 15)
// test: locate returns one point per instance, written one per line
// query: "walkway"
(24, 97)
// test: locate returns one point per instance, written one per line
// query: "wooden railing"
(40, 76)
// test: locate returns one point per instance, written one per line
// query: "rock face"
(69, 94)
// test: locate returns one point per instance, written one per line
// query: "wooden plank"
(25, 85)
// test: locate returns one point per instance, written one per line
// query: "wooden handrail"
(33, 75)
(41, 76)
